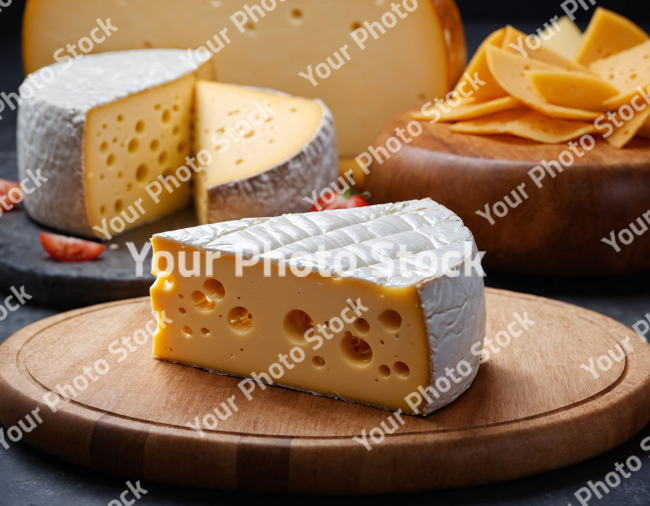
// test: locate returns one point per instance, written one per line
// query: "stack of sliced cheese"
(120, 137)
(557, 86)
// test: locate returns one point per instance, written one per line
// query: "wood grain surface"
(531, 409)
(558, 229)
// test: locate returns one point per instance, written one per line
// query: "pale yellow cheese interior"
(239, 325)
(247, 132)
(564, 40)
(403, 68)
(128, 144)
(289, 124)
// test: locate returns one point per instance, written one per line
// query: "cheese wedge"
(626, 71)
(403, 61)
(104, 128)
(478, 69)
(514, 41)
(572, 89)
(608, 34)
(528, 124)
(564, 37)
(367, 305)
(270, 151)
(470, 109)
(509, 71)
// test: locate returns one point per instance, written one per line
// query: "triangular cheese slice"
(564, 37)
(262, 143)
(608, 34)
(470, 108)
(514, 41)
(528, 124)
(626, 131)
(478, 67)
(509, 71)
(626, 71)
(572, 89)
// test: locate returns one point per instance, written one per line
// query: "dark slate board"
(23, 262)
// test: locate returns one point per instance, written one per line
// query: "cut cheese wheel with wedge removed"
(514, 41)
(478, 68)
(509, 71)
(572, 89)
(526, 123)
(626, 71)
(470, 109)
(271, 150)
(608, 34)
(564, 37)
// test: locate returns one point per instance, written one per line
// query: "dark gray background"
(29, 477)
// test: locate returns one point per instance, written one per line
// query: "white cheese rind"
(280, 189)
(452, 299)
(52, 123)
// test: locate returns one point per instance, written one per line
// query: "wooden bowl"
(558, 229)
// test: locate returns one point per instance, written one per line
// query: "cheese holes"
(240, 320)
(384, 371)
(296, 14)
(155, 144)
(102, 209)
(296, 324)
(175, 108)
(355, 26)
(214, 289)
(362, 326)
(176, 130)
(390, 320)
(103, 149)
(401, 370)
(181, 147)
(319, 362)
(110, 161)
(202, 302)
(166, 116)
(187, 331)
(139, 127)
(119, 206)
(181, 310)
(162, 159)
(142, 173)
(120, 118)
(356, 351)
(239, 161)
(205, 332)
(133, 146)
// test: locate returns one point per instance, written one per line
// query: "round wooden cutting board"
(531, 409)
(558, 229)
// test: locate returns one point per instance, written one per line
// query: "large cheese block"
(101, 131)
(272, 150)
(410, 55)
(366, 305)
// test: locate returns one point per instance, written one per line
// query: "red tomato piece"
(70, 249)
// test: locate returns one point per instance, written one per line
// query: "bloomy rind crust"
(52, 123)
